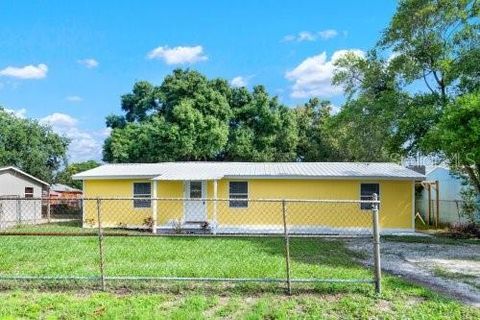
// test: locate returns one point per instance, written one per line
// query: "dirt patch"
(453, 270)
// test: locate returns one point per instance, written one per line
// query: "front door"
(195, 208)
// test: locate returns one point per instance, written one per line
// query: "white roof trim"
(24, 174)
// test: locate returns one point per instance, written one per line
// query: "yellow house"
(247, 197)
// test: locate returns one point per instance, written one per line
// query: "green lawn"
(203, 257)
(177, 256)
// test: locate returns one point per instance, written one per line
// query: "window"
(195, 189)
(142, 193)
(238, 190)
(28, 192)
(366, 193)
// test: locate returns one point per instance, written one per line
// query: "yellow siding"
(115, 213)
(169, 210)
(395, 210)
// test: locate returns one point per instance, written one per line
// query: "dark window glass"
(142, 190)
(28, 192)
(195, 189)
(366, 193)
(238, 190)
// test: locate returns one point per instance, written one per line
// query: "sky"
(66, 63)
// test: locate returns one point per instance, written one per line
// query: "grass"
(177, 256)
(399, 301)
(204, 257)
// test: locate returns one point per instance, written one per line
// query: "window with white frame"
(238, 190)
(142, 192)
(366, 193)
(28, 192)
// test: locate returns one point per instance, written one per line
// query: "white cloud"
(26, 72)
(74, 99)
(306, 36)
(89, 63)
(84, 145)
(313, 76)
(311, 36)
(58, 119)
(328, 34)
(178, 55)
(239, 82)
(19, 113)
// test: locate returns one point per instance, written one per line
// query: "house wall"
(12, 212)
(395, 211)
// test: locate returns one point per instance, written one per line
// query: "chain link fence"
(203, 240)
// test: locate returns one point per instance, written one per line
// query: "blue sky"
(66, 63)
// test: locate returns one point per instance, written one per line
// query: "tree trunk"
(474, 176)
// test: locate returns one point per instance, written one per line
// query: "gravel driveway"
(453, 269)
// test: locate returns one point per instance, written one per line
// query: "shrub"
(470, 208)
(464, 230)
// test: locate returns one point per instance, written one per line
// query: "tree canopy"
(189, 117)
(30, 146)
(65, 176)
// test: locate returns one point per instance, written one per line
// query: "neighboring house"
(16, 185)
(182, 181)
(63, 194)
(449, 195)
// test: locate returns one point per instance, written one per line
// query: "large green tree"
(30, 146)
(312, 119)
(457, 135)
(189, 117)
(261, 128)
(401, 104)
(437, 43)
(367, 128)
(432, 40)
(185, 118)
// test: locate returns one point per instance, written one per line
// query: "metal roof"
(58, 187)
(262, 170)
(24, 174)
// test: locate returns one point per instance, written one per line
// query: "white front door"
(195, 210)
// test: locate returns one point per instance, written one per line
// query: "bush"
(470, 208)
(464, 230)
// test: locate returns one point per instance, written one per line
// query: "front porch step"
(188, 227)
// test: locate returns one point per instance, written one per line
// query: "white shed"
(449, 194)
(20, 197)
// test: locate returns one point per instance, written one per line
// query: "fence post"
(100, 245)
(376, 246)
(287, 246)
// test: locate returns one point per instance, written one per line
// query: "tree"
(261, 128)
(65, 176)
(431, 41)
(312, 119)
(457, 136)
(185, 118)
(438, 42)
(30, 146)
(189, 117)
(369, 125)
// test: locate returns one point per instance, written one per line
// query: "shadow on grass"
(154, 286)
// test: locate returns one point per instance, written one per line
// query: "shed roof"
(262, 170)
(23, 173)
(58, 187)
